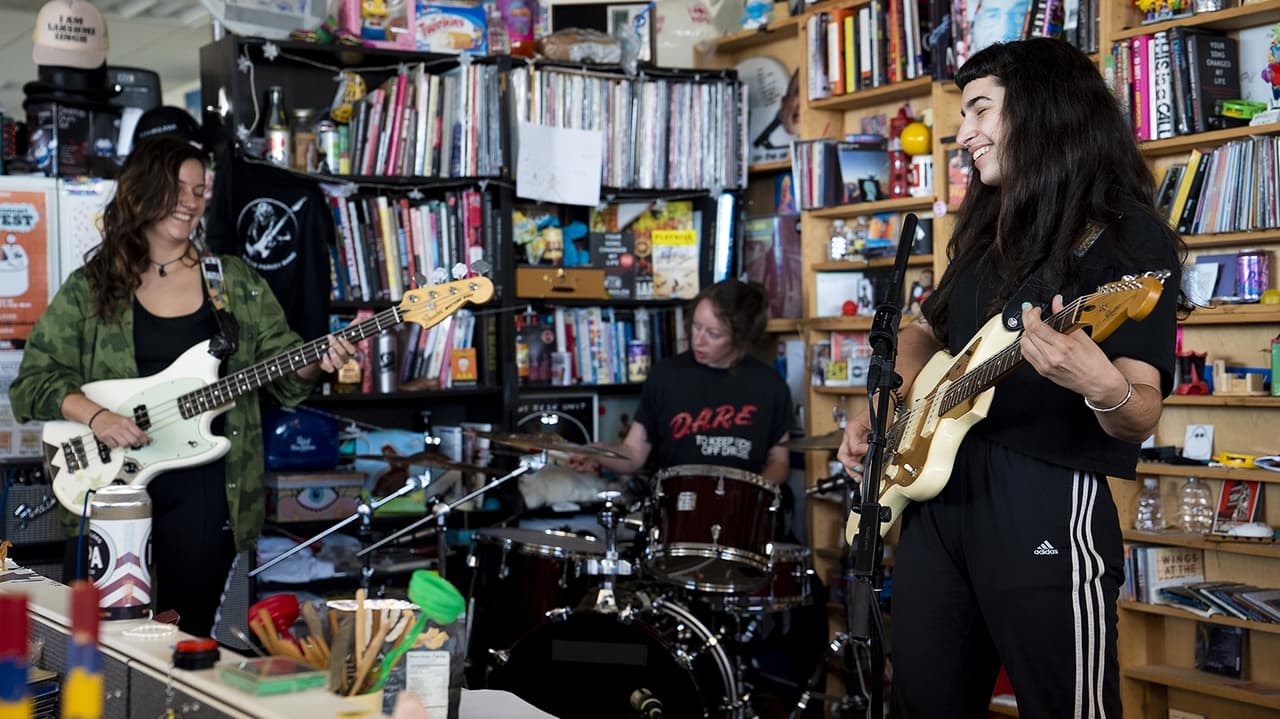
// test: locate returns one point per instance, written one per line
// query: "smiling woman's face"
(982, 130)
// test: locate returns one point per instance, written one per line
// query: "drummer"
(715, 404)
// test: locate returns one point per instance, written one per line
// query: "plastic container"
(1150, 514)
(1195, 507)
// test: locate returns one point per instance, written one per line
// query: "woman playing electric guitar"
(142, 299)
(1018, 560)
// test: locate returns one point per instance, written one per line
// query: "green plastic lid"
(440, 600)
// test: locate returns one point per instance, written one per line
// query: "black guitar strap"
(227, 341)
(1045, 280)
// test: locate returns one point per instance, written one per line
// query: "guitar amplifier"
(31, 515)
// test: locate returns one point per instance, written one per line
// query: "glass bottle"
(839, 248)
(275, 128)
(1150, 514)
(499, 40)
(1195, 507)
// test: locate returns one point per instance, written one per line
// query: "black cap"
(168, 120)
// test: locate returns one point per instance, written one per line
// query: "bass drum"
(594, 664)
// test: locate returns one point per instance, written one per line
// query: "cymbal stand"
(528, 463)
(364, 513)
(611, 565)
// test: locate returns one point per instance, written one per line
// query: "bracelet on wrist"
(1128, 395)
(95, 416)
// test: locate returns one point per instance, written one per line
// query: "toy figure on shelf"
(757, 14)
(920, 291)
(373, 19)
(1191, 373)
(1157, 10)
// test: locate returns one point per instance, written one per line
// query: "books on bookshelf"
(1238, 504)
(771, 256)
(1220, 649)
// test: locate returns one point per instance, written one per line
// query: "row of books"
(841, 361)
(1234, 187)
(431, 125)
(603, 344)
(383, 242)
(1174, 576)
(442, 356)
(838, 172)
(978, 23)
(659, 133)
(852, 49)
(1169, 81)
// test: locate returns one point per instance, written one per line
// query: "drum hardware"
(831, 440)
(610, 565)
(364, 513)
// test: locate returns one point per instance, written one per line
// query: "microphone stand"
(528, 463)
(364, 513)
(864, 552)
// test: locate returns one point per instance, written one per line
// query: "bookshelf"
(1156, 643)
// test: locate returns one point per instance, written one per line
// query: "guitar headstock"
(428, 305)
(1132, 297)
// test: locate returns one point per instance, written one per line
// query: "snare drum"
(788, 584)
(713, 528)
(520, 575)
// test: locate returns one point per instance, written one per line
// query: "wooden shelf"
(1232, 238)
(1197, 541)
(1234, 315)
(1238, 690)
(1184, 143)
(761, 168)
(782, 29)
(782, 326)
(1165, 610)
(859, 265)
(858, 323)
(1236, 18)
(866, 98)
(1218, 400)
(1158, 469)
(897, 204)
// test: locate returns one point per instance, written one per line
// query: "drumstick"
(366, 662)
(312, 619)
(357, 651)
(260, 632)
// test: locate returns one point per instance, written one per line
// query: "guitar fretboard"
(228, 388)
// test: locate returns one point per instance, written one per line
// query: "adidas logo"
(1045, 549)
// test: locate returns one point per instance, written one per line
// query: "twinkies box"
(451, 28)
(312, 496)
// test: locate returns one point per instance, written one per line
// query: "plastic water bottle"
(839, 248)
(1195, 507)
(1150, 515)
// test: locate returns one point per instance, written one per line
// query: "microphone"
(643, 701)
(830, 484)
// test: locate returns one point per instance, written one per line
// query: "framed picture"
(621, 16)
(1237, 505)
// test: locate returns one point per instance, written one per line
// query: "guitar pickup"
(141, 417)
(74, 454)
(104, 452)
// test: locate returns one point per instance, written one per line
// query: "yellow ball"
(915, 139)
(1271, 297)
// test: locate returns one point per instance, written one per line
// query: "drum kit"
(657, 626)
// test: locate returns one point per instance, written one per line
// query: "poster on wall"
(26, 233)
(773, 107)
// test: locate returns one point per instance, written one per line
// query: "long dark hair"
(744, 306)
(1069, 157)
(146, 192)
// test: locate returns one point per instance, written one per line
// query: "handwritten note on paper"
(560, 165)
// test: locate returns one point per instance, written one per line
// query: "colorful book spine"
(15, 700)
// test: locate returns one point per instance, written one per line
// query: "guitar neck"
(993, 369)
(250, 379)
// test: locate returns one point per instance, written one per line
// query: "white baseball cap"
(70, 33)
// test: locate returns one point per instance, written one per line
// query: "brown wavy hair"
(146, 192)
(744, 306)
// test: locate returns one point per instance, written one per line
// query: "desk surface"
(47, 600)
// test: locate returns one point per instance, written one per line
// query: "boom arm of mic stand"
(526, 465)
(411, 484)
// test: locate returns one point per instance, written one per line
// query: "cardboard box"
(575, 283)
(312, 496)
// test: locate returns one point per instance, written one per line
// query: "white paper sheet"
(559, 165)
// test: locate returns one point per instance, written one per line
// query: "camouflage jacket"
(70, 346)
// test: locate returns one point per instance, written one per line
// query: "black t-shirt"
(695, 414)
(1031, 414)
(281, 226)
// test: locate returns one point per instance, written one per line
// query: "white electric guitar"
(953, 393)
(177, 405)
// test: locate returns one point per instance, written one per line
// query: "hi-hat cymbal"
(544, 442)
(830, 440)
(426, 459)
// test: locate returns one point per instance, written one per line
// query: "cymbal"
(830, 440)
(544, 442)
(426, 459)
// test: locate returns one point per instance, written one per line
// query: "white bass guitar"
(177, 405)
(954, 392)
